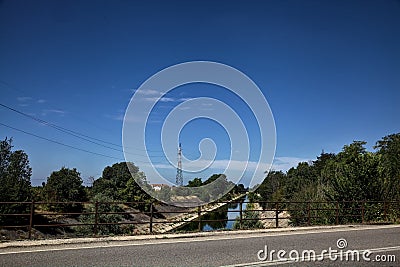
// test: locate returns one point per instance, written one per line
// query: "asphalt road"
(382, 242)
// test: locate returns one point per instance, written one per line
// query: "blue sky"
(329, 70)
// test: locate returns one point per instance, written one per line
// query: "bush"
(104, 205)
(251, 219)
(313, 198)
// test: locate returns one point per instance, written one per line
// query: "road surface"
(246, 249)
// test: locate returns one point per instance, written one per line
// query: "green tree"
(15, 174)
(303, 175)
(196, 182)
(212, 178)
(120, 173)
(352, 178)
(65, 185)
(122, 181)
(240, 189)
(218, 186)
(354, 175)
(389, 150)
(133, 192)
(319, 165)
(272, 189)
(106, 187)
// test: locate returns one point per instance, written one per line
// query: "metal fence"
(38, 215)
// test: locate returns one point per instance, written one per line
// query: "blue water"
(233, 213)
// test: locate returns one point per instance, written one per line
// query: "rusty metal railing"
(33, 215)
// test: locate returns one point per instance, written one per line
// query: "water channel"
(222, 218)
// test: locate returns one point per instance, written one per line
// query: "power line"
(73, 147)
(59, 128)
(23, 92)
(10, 87)
(71, 132)
(59, 143)
(83, 136)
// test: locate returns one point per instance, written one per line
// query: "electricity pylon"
(179, 175)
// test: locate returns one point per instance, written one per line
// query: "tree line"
(122, 182)
(65, 186)
(350, 176)
(353, 174)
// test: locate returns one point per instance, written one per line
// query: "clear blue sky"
(330, 70)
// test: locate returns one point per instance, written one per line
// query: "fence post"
(362, 212)
(151, 217)
(96, 217)
(385, 210)
(277, 215)
(337, 213)
(199, 217)
(31, 214)
(240, 214)
(308, 214)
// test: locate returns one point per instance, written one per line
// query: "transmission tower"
(179, 176)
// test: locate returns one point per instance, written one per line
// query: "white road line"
(287, 261)
(199, 239)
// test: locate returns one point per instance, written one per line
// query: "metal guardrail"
(302, 213)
